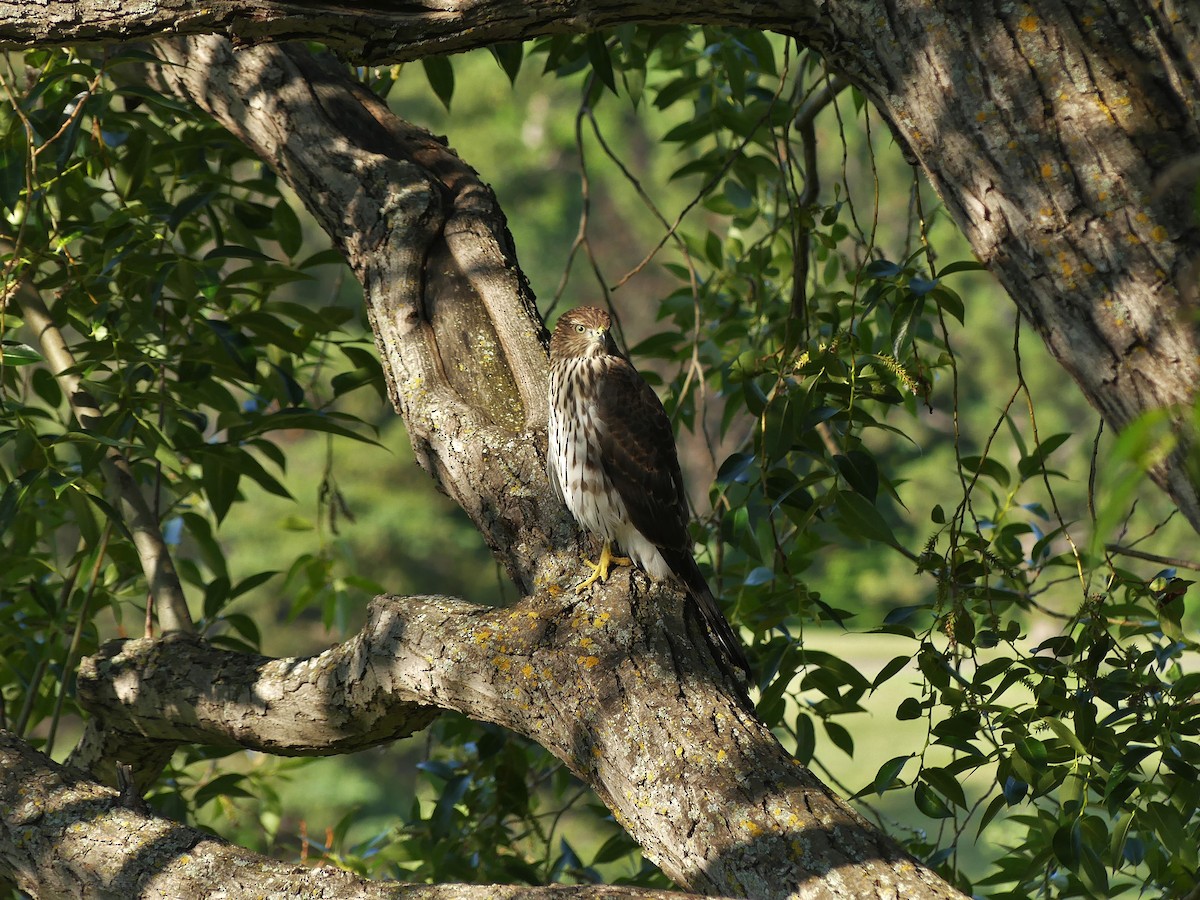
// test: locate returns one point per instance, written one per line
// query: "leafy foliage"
(812, 331)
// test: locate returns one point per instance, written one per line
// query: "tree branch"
(382, 32)
(454, 321)
(618, 686)
(124, 852)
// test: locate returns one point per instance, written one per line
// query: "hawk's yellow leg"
(600, 569)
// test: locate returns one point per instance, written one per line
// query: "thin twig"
(1172, 561)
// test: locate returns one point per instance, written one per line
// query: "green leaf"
(889, 772)
(930, 803)
(881, 268)
(220, 480)
(286, 228)
(736, 469)
(1065, 733)
(946, 785)
(14, 353)
(962, 265)
(859, 518)
(806, 738)
(233, 251)
(616, 847)
(509, 56)
(986, 466)
(909, 709)
(228, 785)
(440, 73)
(601, 60)
(858, 468)
(840, 736)
(1032, 465)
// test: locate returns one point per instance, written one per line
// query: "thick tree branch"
(64, 836)
(703, 785)
(385, 31)
(455, 323)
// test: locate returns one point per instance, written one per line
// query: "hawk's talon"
(600, 568)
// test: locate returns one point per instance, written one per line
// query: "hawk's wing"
(637, 449)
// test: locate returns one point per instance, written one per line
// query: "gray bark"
(64, 836)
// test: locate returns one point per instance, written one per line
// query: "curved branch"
(381, 32)
(129, 852)
(618, 686)
(454, 321)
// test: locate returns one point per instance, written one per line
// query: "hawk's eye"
(580, 329)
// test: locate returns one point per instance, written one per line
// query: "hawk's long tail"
(725, 641)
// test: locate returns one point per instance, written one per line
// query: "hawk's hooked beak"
(601, 340)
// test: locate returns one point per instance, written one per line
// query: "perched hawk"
(612, 460)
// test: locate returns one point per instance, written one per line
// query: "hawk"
(612, 461)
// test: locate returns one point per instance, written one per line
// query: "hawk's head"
(582, 332)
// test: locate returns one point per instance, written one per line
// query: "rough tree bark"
(125, 852)
(1052, 136)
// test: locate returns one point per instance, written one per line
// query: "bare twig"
(1153, 557)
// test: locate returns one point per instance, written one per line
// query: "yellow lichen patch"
(554, 590)
(482, 635)
(1045, 212)
(750, 827)
(502, 663)
(1028, 24)
(1047, 170)
(601, 620)
(1158, 233)
(586, 642)
(720, 756)
(588, 661)
(1088, 268)
(596, 752)
(527, 670)
(1133, 238)
(981, 116)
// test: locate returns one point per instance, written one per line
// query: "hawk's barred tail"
(717, 625)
